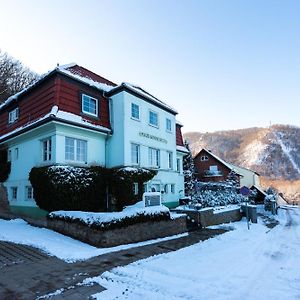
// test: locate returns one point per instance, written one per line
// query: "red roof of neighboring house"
(179, 139)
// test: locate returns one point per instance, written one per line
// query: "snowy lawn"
(240, 264)
(55, 244)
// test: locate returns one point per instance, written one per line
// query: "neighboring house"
(73, 116)
(211, 168)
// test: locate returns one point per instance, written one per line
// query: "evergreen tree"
(189, 172)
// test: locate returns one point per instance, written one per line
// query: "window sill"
(135, 119)
(96, 117)
(155, 126)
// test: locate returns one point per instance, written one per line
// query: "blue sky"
(222, 64)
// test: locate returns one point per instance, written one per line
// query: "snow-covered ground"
(240, 264)
(61, 246)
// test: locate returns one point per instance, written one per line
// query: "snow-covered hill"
(274, 152)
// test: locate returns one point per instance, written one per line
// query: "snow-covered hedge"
(92, 188)
(131, 215)
(217, 194)
(5, 166)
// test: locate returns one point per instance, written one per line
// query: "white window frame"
(47, 152)
(135, 153)
(76, 154)
(9, 155)
(204, 158)
(168, 121)
(213, 168)
(173, 188)
(178, 165)
(135, 188)
(134, 111)
(14, 193)
(28, 192)
(166, 188)
(170, 159)
(16, 153)
(154, 157)
(90, 98)
(13, 115)
(151, 124)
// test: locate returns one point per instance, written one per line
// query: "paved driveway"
(27, 273)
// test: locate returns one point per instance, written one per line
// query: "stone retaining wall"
(114, 237)
(207, 217)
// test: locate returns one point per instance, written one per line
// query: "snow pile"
(130, 215)
(56, 244)
(240, 264)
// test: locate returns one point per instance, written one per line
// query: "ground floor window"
(28, 193)
(135, 154)
(154, 157)
(75, 150)
(47, 149)
(178, 165)
(135, 188)
(173, 188)
(14, 193)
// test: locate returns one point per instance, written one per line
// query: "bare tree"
(14, 77)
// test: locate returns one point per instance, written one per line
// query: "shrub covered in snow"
(217, 194)
(130, 215)
(5, 166)
(86, 188)
(189, 173)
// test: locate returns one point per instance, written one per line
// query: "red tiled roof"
(83, 72)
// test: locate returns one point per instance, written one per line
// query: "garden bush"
(5, 166)
(86, 188)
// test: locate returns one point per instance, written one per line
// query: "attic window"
(89, 105)
(13, 115)
(204, 158)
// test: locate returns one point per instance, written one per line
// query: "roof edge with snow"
(141, 93)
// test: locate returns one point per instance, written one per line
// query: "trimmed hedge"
(92, 189)
(5, 166)
(116, 224)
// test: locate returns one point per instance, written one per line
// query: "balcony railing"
(210, 173)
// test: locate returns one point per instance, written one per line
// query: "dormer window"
(13, 115)
(89, 105)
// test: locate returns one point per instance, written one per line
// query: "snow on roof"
(182, 149)
(67, 70)
(59, 115)
(179, 123)
(260, 189)
(66, 116)
(235, 166)
(85, 78)
(146, 94)
(228, 165)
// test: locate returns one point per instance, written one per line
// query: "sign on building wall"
(153, 137)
